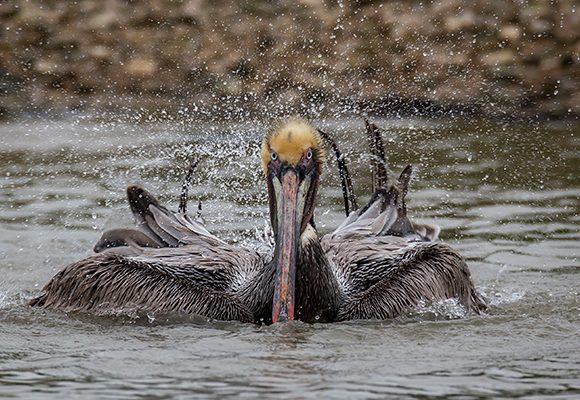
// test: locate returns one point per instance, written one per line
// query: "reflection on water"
(506, 196)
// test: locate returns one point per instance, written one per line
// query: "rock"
(9, 84)
(462, 22)
(511, 33)
(45, 66)
(35, 14)
(193, 8)
(567, 27)
(499, 58)
(105, 19)
(99, 52)
(141, 67)
(540, 26)
(573, 104)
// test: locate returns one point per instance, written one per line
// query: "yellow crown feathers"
(289, 139)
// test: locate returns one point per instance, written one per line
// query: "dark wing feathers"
(107, 283)
(385, 263)
(382, 277)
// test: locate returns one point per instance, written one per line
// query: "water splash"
(441, 309)
(4, 300)
(503, 297)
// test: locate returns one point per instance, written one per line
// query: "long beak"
(290, 196)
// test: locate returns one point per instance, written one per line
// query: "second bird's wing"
(157, 227)
(386, 215)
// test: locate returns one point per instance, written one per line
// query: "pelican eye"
(309, 154)
(274, 156)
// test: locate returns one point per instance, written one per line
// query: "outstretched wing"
(216, 281)
(386, 263)
(169, 263)
(108, 283)
(156, 227)
(383, 276)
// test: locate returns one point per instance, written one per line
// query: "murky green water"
(506, 196)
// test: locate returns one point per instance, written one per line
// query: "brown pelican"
(376, 264)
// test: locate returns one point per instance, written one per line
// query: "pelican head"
(292, 158)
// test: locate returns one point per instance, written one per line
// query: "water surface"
(506, 196)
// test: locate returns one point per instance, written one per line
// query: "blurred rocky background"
(503, 58)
